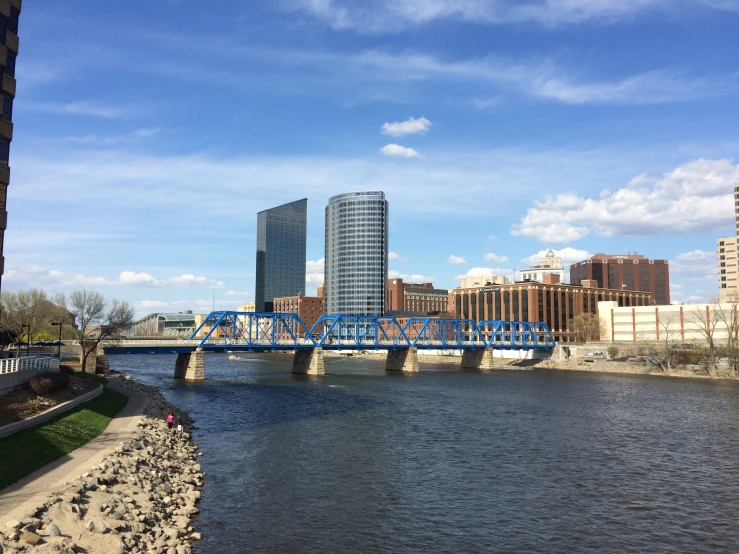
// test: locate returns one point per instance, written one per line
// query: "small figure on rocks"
(170, 420)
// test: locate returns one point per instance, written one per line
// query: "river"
(456, 461)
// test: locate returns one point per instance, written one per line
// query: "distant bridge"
(224, 331)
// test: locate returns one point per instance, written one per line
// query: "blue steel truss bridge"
(227, 331)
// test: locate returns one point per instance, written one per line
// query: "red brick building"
(416, 297)
(631, 272)
(549, 301)
(308, 308)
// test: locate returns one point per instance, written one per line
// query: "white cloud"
(695, 266)
(410, 277)
(695, 197)
(314, 271)
(145, 307)
(93, 109)
(569, 256)
(456, 260)
(410, 126)
(382, 16)
(393, 256)
(482, 271)
(147, 132)
(35, 276)
(236, 293)
(400, 151)
(491, 257)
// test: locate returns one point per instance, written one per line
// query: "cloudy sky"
(147, 139)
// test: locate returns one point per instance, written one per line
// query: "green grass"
(26, 451)
(102, 379)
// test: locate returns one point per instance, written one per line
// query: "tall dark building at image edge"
(9, 12)
(281, 244)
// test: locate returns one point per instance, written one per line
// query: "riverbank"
(140, 497)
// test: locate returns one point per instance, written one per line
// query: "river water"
(456, 461)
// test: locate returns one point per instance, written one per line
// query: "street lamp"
(28, 341)
(59, 343)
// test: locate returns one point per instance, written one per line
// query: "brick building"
(630, 272)
(308, 308)
(726, 250)
(550, 301)
(416, 297)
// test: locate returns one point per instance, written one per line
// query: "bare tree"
(728, 316)
(96, 318)
(707, 321)
(586, 327)
(663, 352)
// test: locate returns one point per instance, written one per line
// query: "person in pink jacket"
(170, 420)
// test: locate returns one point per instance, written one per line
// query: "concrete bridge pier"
(190, 366)
(405, 360)
(478, 359)
(309, 362)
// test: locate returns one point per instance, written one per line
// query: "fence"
(15, 372)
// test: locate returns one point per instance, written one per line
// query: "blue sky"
(147, 139)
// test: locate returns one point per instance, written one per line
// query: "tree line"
(86, 317)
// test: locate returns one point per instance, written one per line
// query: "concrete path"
(33, 490)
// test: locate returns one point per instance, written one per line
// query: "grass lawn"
(102, 379)
(30, 449)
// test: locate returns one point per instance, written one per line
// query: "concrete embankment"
(140, 498)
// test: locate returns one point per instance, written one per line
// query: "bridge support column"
(402, 360)
(190, 366)
(478, 359)
(309, 362)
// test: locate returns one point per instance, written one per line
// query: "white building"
(550, 264)
(482, 281)
(674, 323)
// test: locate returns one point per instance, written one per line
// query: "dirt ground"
(24, 403)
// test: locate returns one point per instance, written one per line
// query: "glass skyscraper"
(280, 253)
(356, 254)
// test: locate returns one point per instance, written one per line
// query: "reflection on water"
(451, 461)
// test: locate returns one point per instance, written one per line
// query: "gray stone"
(53, 530)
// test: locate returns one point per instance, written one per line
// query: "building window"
(13, 21)
(506, 306)
(721, 250)
(524, 305)
(7, 106)
(515, 306)
(473, 298)
(4, 150)
(497, 306)
(10, 63)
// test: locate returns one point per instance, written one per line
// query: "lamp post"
(59, 342)
(28, 341)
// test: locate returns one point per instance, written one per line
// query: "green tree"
(29, 307)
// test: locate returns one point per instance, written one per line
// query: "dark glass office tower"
(9, 12)
(280, 253)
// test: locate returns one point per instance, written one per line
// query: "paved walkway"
(33, 490)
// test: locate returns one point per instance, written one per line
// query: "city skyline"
(495, 133)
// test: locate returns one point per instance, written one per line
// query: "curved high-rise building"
(355, 275)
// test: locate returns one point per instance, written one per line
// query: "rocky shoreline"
(140, 499)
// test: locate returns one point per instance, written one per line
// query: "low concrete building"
(248, 307)
(162, 325)
(482, 281)
(675, 323)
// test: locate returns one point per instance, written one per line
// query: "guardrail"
(40, 363)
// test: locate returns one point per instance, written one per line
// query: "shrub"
(612, 352)
(49, 382)
(68, 369)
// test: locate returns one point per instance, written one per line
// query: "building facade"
(678, 324)
(248, 307)
(631, 272)
(308, 308)
(416, 297)
(281, 242)
(482, 280)
(551, 302)
(9, 13)
(162, 325)
(356, 257)
(728, 285)
(550, 264)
